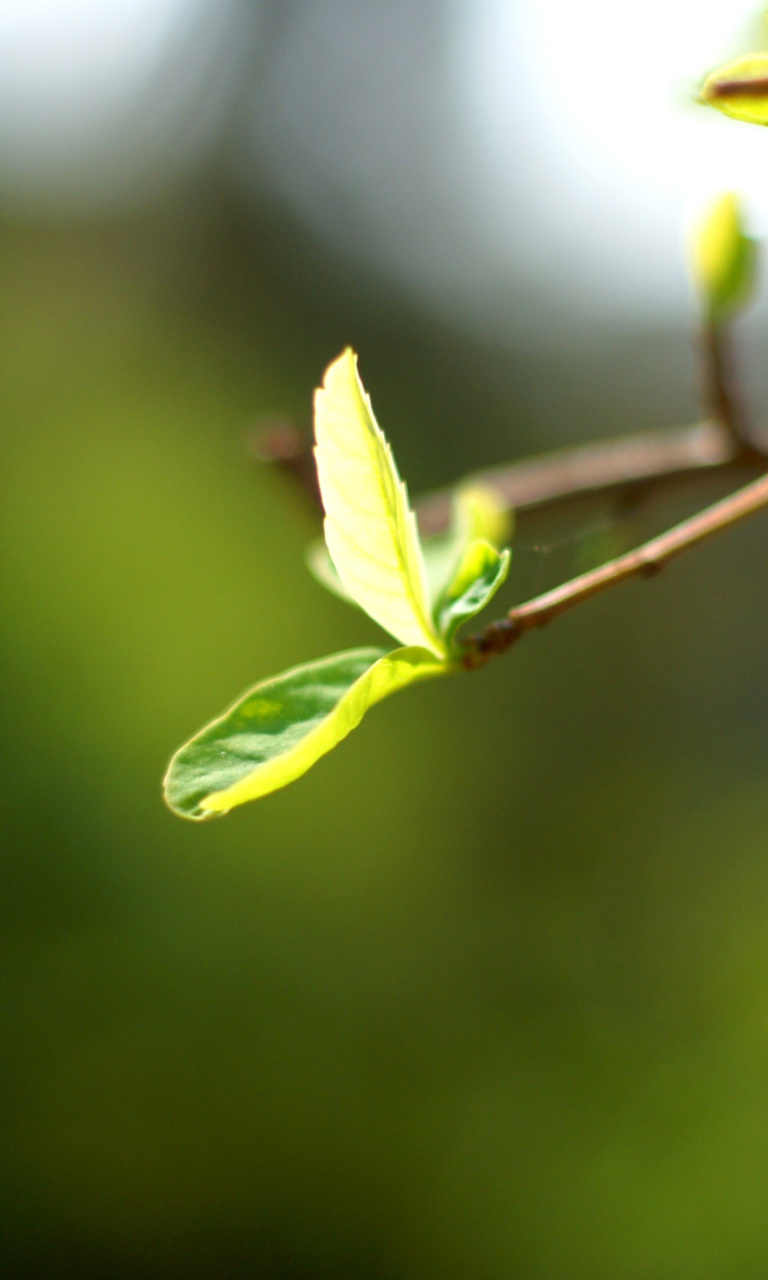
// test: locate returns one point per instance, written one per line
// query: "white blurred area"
(523, 163)
(620, 159)
(101, 99)
(517, 164)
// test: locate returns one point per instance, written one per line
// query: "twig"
(724, 437)
(644, 561)
(522, 486)
(279, 441)
(720, 397)
(756, 87)
(592, 468)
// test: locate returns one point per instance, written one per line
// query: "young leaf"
(477, 513)
(280, 728)
(480, 574)
(740, 89)
(369, 527)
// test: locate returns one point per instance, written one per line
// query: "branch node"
(497, 638)
(645, 561)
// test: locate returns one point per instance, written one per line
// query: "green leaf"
(740, 89)
(280, 728)
(724, 258)
(480, 574)
(369, 527)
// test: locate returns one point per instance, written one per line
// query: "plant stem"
(644, 561)
(593, 468)
(749, 87)
(722, 438)
(720, 398)
(565, 473)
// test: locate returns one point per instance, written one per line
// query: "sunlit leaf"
(481, 572)
(369, 527)
(478, 512)
(740, 89)
(280, 728)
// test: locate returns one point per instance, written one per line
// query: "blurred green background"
(485, 994)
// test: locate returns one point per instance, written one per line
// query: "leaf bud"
(723, 258)
(740, 89)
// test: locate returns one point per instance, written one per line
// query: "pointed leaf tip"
(370, 528)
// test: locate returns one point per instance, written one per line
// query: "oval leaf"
(280, 728)
(369, 527)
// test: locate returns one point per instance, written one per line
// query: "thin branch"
(592, 468)
(280, 442)
(669, 454)
(645, 561)
(724, 437)
(756, 87)
(720, 396)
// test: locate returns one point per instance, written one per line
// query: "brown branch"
(280, 442)
(592, 468)
(717, 387)
(746, 88)
(645, 561)
(723, 437)
(584, 469)
(720, 396)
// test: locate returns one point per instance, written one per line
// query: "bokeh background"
(486, 994)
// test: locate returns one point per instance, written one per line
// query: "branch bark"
(723, 437)
(533, 482)
(593, 468)
(644, 561)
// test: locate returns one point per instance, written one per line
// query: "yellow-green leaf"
(369, 527)
(740, 89)
(478, 513)
(280, 728)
